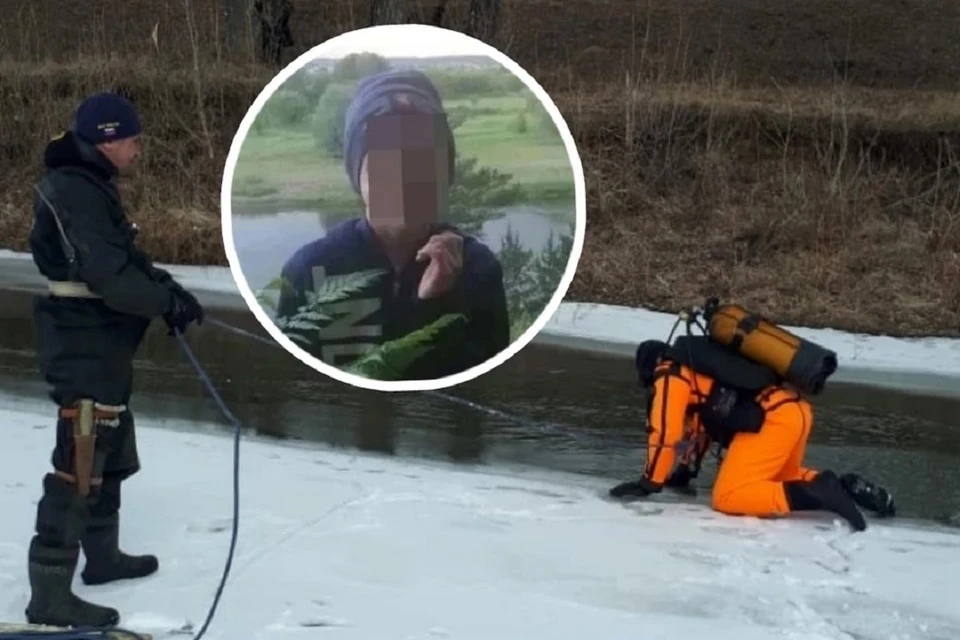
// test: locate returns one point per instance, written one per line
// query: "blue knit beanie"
(104, 117)
(374, 96)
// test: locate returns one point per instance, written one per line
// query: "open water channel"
(586, 410)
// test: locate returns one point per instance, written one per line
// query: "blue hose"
(125, 634)
(106, 633)
(534, 425)
(237, 429)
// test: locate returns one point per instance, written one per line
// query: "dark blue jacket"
(86, 346)
(389, 308)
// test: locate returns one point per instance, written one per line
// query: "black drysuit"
(86, 346)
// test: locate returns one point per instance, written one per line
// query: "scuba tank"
(804, 364)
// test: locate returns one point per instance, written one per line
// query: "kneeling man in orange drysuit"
(762, 473)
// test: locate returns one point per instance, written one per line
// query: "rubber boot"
(52, 601)
(53, 557)
(105, 561)
(868, 495)
(824, 493)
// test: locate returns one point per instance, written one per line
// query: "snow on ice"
(619, 324)
(341, 545)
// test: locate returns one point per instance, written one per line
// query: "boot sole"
(95, 580)
(28, 630)
(853, 517)
(67, 624)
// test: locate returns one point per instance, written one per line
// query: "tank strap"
(777, 405)
(48, 194)
(764, 397)
(748, 324)
(670, 368)
(676, 369)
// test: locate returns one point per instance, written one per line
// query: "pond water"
(264, 241)
(577, 412)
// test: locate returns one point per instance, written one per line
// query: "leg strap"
(86, 415)
(72, 479)
(93, 413)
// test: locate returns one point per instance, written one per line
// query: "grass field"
(283, 168)
(801, 158)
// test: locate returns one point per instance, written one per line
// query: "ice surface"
(337, 545)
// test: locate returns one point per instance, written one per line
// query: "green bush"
(542, 122)
(338, 88)
(530, 279)
(358, 65)
(477, 191)
(328, 118)
(310, 82)
(388, 361)
(469, 84)
(284, 109)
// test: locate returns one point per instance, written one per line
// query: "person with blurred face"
(399, 156)
(103, 293)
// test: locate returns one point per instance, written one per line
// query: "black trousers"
(86, 351)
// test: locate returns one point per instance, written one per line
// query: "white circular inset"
(422, 38)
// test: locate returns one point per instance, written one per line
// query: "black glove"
(635, 488)
(184, 309)
(161, 277)
(680, 478)
(189, 300)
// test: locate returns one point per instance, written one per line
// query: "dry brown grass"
(805, 165)
(829, 206)
(174, 195)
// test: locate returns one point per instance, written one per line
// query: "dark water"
(265, 241)
(911, 444)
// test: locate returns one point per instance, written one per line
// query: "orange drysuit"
(756, 465)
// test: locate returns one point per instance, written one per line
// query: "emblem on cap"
(108, 128)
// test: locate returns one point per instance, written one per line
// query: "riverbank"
(827, 204)
(282, 165)
(913, 365)
(360, 523)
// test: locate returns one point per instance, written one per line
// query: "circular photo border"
(419, 32)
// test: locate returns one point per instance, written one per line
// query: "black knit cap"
(375, 95)
(104, 117)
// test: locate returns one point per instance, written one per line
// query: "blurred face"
(404, 177)
(122, 153)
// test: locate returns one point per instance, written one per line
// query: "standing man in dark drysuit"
(103, 294)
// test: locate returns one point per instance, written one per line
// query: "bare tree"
(482, 18)
(235, 13)
(275, 33)
(398, 12)
(388, 12)
(437, 18)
